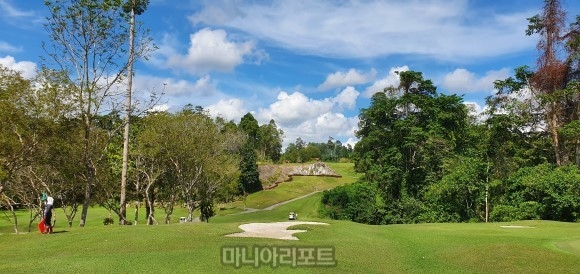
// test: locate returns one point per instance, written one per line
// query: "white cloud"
(442, 29)
(392, 79)
(159, 108)
(342, 79)
(318, 129)
(220, 12)
(313, 120)
(10, 11)
(210, 50)
(28, 69)
(7, 47)
(291, 109)
(333, 122)
(174, 92)
(351, 141)
(347, 98)
(474, 108)
(229, 109)
(462, 80)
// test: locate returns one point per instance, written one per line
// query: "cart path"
(250, 210)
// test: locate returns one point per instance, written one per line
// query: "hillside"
(272, 175)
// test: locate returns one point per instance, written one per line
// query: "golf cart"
(292, 216)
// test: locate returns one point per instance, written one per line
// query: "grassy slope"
(299, 186)
(179, 248)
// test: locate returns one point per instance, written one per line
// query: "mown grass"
(546, 247)
(195, 248)
(299, 186)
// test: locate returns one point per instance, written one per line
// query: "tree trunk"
(70, 216)
(578, 153)
(168, 213)
(150, 210)
(190, 209)
(486, 204)
(90, 174)
(86, 204)
(15, 218)
(147, 211)
(123, 210)
(554, 133)
(136, 211)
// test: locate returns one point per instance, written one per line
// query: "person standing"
(47, 215)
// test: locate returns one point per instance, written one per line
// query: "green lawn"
(546, 247)
(299, 186)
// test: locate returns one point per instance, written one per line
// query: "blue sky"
(309, 65)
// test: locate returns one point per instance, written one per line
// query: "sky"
(311, 65)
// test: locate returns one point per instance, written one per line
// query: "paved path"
(250, 210)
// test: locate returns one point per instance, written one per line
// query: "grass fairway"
(541, 247)
(299, 186)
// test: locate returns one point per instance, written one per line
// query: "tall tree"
(249, 125)
(270, 141)
(404, 140)
(133, 8)
(249, 179)
(515, 126)
(185, 156)
(56, 163)
(558, 52)
(88, 42)
(18, 141)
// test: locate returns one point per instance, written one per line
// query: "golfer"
(47, 216)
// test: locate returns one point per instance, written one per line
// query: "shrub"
(108, 221)
(358, 202)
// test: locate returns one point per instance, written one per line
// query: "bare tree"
(88, 42)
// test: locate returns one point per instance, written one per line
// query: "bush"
(108, 221)
(525, 211)
(358, 202)
(541, 192)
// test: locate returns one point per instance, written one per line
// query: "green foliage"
(108, 221)
(249, 125)
(137, 6)
(524, 211)
(270, 141)
(405, 137)
(206, 209)
(430, 162)
(186, 156)
(92, 67)
(358, 202)
(458, 195)
(249, 179)
(544, 191)
(331, 151)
